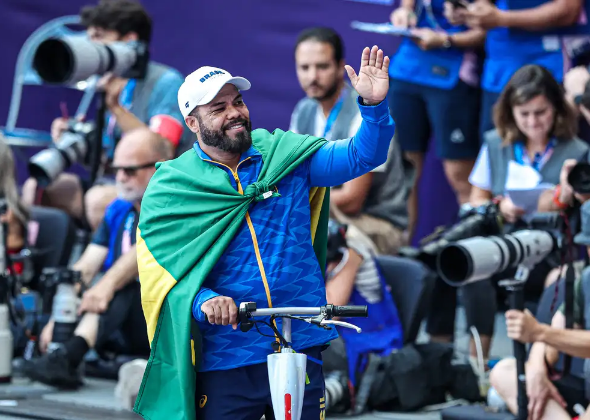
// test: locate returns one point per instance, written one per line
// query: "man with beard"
(242, 218)
(112, 305)
(375, 203)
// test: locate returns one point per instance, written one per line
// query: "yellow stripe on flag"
(155, 281)
(316, 200)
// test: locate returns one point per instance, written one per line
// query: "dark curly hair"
(123, 16)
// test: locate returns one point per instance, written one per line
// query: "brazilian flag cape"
(189, 214)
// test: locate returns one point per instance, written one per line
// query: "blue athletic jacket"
(271, 260)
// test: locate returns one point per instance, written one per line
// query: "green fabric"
(189, 215)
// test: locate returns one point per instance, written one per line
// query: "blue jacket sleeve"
(342, 160)
(203, 296)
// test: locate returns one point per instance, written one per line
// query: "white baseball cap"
(202, 85)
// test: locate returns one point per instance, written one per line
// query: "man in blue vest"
(131, 103)
(112, 317)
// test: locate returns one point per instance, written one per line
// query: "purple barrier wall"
(253, 38)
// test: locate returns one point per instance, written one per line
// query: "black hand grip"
(350, 311)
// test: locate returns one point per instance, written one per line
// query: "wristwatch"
(447, 43)
(366, 104)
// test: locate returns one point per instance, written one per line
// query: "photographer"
(112, 317)
(17, 215)
(548, 398)
(535, 127)
(131, 103)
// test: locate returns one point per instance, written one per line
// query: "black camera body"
(51, 278)
(579, 177)
(74, 146)
(477, 221)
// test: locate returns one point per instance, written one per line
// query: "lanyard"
(433, 23)
(520, 155)
(125, 99)
(334, 114)
(127, 232)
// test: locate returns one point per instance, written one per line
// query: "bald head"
(144, 143)
(135, 158)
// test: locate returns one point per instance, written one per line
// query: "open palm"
(372, 81)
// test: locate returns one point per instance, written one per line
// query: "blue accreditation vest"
(115, 215)
(382, 331)
(435, 68)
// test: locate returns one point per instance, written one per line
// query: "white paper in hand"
(521, 177)
(528, 199)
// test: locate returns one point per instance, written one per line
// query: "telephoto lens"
(71, 59)
(480, 258)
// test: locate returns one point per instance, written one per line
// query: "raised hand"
(372, 81)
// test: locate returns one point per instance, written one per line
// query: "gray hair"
(8, 186)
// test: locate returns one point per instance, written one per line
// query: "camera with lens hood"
(67, 61)
(475, 221)
(71, 59)
(479, 258)
(74, 146)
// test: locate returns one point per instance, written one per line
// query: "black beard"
(220, 141)
(329, 93)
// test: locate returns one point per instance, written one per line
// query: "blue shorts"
(452, 116)
(244, 393)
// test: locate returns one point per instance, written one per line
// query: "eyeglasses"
(131, 171)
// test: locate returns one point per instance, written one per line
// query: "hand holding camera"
(112, 86)
(577, 179)
(510, 211)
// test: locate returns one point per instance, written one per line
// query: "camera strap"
(570, 279)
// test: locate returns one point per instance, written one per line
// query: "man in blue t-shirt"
(131, 103)
(112, 317)
(434, 93)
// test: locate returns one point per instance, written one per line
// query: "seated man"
(131, 103)
(549, 399)
(374, 203)
(354, 278)
(113, 305)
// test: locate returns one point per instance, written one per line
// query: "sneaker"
(130, 377)
(53, 369)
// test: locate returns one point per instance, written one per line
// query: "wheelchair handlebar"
(248, 310)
